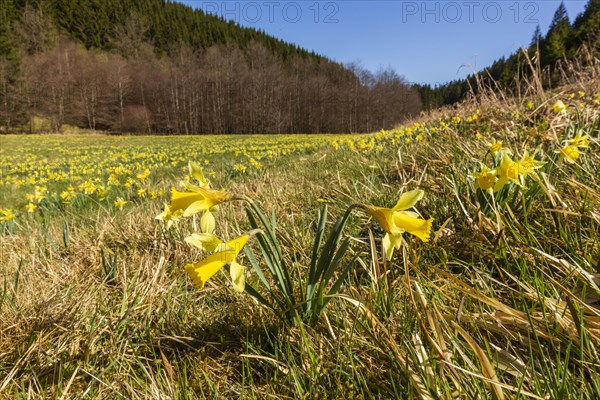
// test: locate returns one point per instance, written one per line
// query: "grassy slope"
(490, 308)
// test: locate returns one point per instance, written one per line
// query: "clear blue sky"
(426, 41)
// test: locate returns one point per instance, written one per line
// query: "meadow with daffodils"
(454, 257)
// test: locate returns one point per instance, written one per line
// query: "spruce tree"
(537, 37)
(557, 37)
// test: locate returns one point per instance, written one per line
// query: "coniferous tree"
(555, 43)
(537, 37)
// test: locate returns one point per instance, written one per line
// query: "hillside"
(94, 23)
(561, 43)
(155, 66)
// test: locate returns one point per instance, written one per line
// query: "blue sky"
(426, 41)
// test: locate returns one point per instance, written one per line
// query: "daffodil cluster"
(56, 172)
(571, 148)
(506, 170)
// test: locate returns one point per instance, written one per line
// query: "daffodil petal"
(183, 200)
(197, 173)
(187, 185)
(204, 241)
(408, 200)
(238, 276)
(415, 226)
(207, 222)
(502, 180)
(195, 208)
(390, 244)
(232, 247)
(166, 215)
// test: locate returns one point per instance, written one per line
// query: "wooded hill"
(561, 42)
(157, 66)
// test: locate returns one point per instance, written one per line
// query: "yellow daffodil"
(143, 175)
(496, 146)
(197, 173)
(397, 220)
(207, 222)
(168, 217)
(120, 202)
(569, 153)
(67, 195)
(31, 207)
(508, 171)
(559, 107)
(240, 168)
(6, 214)
(580, 140)
(204, 241)
(202, 199)
(486, 178)
(528, 164)
(225, 253)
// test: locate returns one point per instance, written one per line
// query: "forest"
(152, 66)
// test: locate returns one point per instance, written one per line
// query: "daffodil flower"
(508, 171)
(225, 253)
(120, 202)
(580, 140)
(6, 215)
(202, 199)
(496, 147)
(569, 153)
(486, 178)
(528, 164)
(397, 220)
(559, 107)
(208, 221)
(168, 216)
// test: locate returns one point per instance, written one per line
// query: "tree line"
(561, 42)
(164, 69)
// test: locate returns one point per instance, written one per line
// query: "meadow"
(278, 266)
